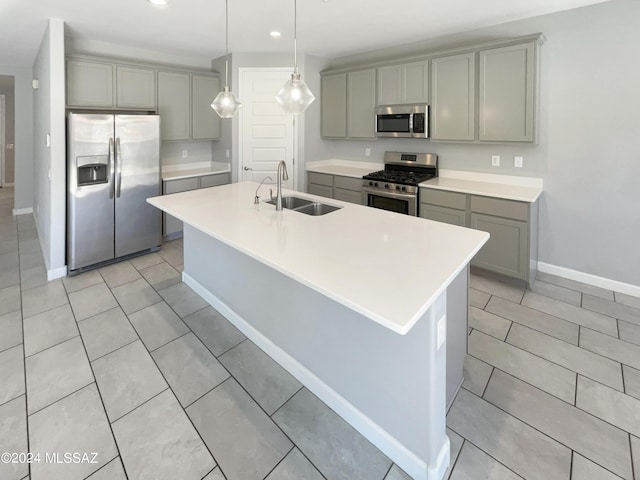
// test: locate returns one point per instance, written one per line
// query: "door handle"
(119, 168)
(247, 168)
(112, 178)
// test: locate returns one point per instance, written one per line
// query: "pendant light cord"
(226, 56)
(295, 37)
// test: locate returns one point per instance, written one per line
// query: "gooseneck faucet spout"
(282, 175)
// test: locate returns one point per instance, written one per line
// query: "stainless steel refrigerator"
(113, 166)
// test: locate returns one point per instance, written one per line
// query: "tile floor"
(129, 363)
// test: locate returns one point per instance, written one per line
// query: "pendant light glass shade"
(295, 96)
(226, 104)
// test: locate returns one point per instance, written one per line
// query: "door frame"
(295, 141)
(3, 146)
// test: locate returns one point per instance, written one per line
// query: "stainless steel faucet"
(282, 175)
(256, 199)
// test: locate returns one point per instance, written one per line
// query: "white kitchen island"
(352, 303)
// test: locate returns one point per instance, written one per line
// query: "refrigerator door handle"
(119, 168)
(111, 169)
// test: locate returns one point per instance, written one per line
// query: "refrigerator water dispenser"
(92, 170)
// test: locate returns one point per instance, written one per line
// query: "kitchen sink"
(308, 207)
(292, 202)
(316, 209)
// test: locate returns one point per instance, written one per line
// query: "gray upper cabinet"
(89, 84)
(506, 93)
(174, 102)
(136, 87)
(334, 105)
(361, 103)
(407, 83)
(205, 121)
(453, 97)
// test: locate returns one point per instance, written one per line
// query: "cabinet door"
(506, 250)
(453, 97)
(443, 214)
(214, 180)
(345, 195)
(334, 106)
(415, 82)
(174, 105)
(205, 121)
(172, 227)
(321, 190)
(89, 84)
(361, 104)
(135, 87)
(507, 93)
(389, 80)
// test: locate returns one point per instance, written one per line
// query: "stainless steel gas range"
(396, 187)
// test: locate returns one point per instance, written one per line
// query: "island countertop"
(386, 266)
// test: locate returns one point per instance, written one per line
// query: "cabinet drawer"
(348, 183)
(321, 190)
(443, 214)
(345, 195)
(182, 185)
(321, 179)
(214, 180)
(443, 198)
(500, 207)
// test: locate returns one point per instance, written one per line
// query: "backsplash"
(172, 153)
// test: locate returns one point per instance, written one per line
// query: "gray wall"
(588, 151)
(7, 89)
(23, 139)
(50, 161)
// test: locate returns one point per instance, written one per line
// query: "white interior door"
(266, 131)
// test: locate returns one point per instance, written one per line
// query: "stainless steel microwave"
(397, 121)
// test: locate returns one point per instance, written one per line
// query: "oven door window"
(391, 204)
(396, 123)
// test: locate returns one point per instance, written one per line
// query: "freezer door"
(90, 210)
(137, 145)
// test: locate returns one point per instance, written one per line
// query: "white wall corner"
(22, 211)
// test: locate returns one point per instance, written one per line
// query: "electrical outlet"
(495, 160)
(228, 153)
(518, 161)
(367, 152)
(441, 332)
(185, 153)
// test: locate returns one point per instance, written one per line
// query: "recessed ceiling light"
(275, 34)
(158, 3)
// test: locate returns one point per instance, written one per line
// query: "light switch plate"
(495, 160)
(518, 161)
(367, 152)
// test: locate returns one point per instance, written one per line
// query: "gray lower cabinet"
(347, 189)
(512, 249)
(171, 226)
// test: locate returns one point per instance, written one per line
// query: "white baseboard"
(22, 211)
(8, 185)
(54, 273)
(589, 279)
(403, 457)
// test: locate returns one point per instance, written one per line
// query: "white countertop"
(383, 265)
(523, 189)
(187, 170)
(346, 168)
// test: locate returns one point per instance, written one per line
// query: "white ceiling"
(195, 28)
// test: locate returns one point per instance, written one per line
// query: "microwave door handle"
(112, 177)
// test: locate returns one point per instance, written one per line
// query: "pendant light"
(295, 96)
(226, 104)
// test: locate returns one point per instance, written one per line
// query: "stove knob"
(404, 189)
(398, 187)
(375, 184)
(371, 184)
(386, 185)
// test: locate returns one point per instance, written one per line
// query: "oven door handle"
(389, 193)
